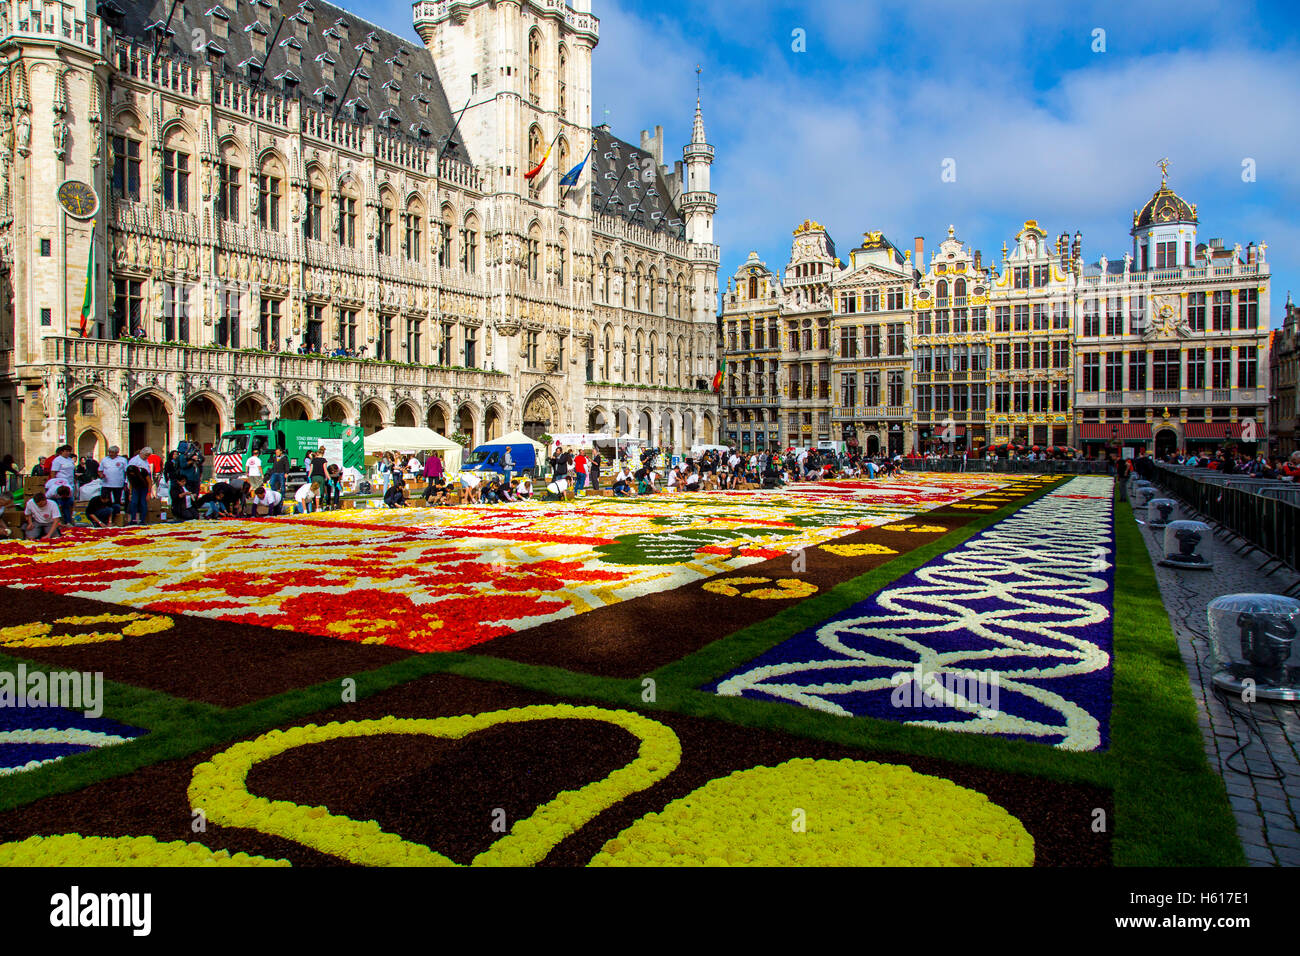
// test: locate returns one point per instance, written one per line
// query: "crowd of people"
(120, 485)
(116, 485)
(1227, 460)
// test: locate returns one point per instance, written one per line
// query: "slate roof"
(618, 192)
(416, 80)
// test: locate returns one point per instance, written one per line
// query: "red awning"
(1124, 431)
(1212, 430)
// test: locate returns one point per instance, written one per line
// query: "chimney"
(659, 145)
(977, 261)
(918, 249)
(645, 141)
(1250, 254)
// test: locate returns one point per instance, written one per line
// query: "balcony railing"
(111, 354)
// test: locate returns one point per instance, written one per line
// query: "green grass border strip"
(1171, 807)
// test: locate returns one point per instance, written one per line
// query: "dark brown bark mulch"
(217, 662)
(635, 637)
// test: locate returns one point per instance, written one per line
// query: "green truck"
(344, 446)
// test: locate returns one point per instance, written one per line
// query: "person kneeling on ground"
(184, 499)
(492, 492)
(435, 492)
(267, 502)
(100, 509)
(395, 497)
(41, 518)
(209, 505)
(524, 489)
(622, 484)
(304, 499)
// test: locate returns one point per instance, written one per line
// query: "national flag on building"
(538, 168)
(717, 379)
(571, 177)
(88, 299)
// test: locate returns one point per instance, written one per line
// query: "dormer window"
(326, 95)
(333, 40)
(394, 93)
(367, 55)
(291, 82)
(220, 20)
(258, 37)
(292, 53)
(254, 67)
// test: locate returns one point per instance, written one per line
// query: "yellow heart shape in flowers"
(39, 633)
(807, 812)
(73, 849)
(857, 550)
(970, 507)
(784, 588)
(220, 788)
(917, 528)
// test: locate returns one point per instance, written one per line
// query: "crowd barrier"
(1263, 511)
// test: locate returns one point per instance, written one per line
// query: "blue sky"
(854, 131)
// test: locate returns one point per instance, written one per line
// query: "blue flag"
(571, 177)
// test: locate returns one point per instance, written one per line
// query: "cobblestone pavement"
(1255, 747)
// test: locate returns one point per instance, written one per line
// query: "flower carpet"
(609, 682)
(1024, 606)
(444, 579)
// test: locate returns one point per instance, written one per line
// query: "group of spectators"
(122, 485)
(1234, 461)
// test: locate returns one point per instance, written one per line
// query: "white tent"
(408, 440)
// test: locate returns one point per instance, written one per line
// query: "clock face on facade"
(78, 199)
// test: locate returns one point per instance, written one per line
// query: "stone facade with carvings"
(1171, 342)
(274, 178)
(1166, 348)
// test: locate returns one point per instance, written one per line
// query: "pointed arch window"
(562, 86)
(535, 67)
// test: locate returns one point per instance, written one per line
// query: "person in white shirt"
(63, 469)
(254, 468)
(112, 474)
(266, 501)
(141, 460)
(671, 482)
(41, 518)
(305, 499)
(525, 487)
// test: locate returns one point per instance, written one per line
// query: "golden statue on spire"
(1164, 170)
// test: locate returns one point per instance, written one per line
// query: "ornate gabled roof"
(1164, 206)
(620, 189)
(1032, 227)
(143, 20)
